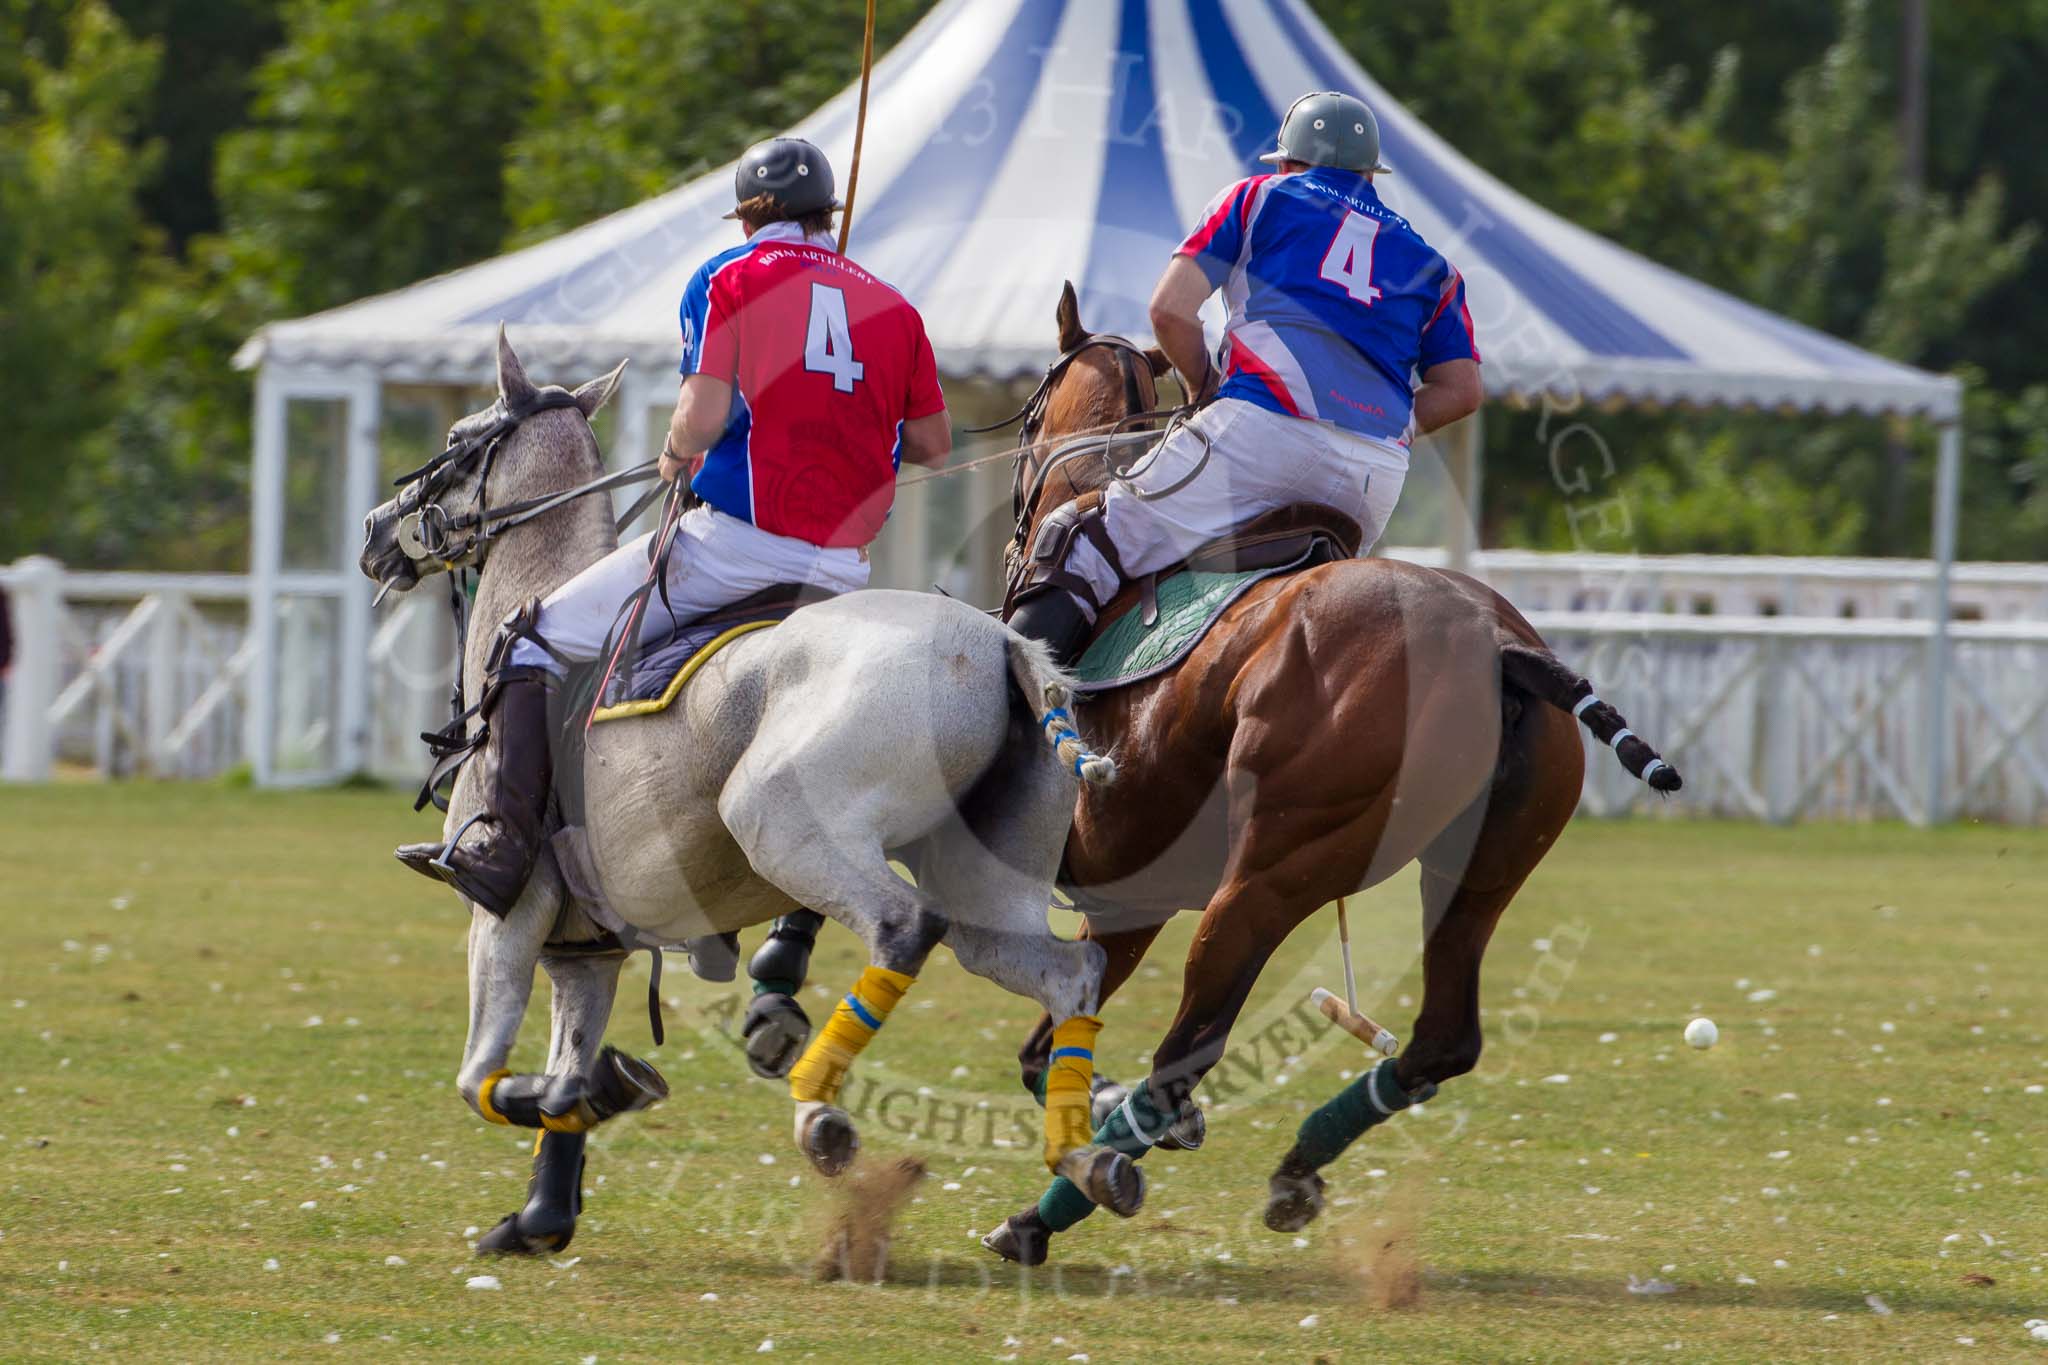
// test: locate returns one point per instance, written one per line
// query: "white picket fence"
(1780, 717)
(1753, 585)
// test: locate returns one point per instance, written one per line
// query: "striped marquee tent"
(1011, 145)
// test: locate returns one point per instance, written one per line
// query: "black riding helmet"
(789, 170)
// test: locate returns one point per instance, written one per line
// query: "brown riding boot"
(493, 855)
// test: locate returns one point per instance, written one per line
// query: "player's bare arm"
(928, 440)
(1177, 326)
(702, 411)
(1449, 391)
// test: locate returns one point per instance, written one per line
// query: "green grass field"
(230, 1025)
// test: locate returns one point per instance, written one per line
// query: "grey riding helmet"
(1328, 128)
(791, 171)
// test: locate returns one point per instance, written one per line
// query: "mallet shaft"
(1344, 942)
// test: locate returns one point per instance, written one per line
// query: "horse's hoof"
(621, 1084)
(1110, 1179)
(827, 1136)
(1104, 1095)
(775, 1031)
(506, 1239)
(1186, 1133)
(1292, 1200)
(1022, 1238)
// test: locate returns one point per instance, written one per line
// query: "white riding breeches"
(715, 562)
(1257, 461)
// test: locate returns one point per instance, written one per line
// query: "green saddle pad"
(1189, 601)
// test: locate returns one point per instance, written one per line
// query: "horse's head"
(533, 441)
(1098, 383)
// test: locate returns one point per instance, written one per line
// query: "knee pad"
(1053, 547)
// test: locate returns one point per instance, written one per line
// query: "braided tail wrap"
(822, 1069)
(1068, 1077)
(1046, 691)
(1544, 676)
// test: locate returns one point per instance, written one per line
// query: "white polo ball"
(1702, 1034)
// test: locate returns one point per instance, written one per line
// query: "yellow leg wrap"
(483, 1097)
(571, 1122)
(819, 1073)
(1067, 1078)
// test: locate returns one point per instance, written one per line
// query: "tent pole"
(266, 552)
(1947, 491)
(1460, 448)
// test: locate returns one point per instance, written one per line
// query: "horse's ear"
(1072, 333)
(1156, 358)
(598, 391)
(513, 385)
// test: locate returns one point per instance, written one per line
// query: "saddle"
(650, 681)
(1153, 623)
(1284, 540)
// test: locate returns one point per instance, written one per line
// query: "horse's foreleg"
(502, 954)
(585, 986)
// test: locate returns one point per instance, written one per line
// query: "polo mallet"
(860, 127)
(671, 517)
(1344, 1013)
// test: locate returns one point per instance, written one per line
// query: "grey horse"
(798, 763)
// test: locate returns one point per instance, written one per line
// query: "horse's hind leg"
(992, 870)
(1124, 949)
(843, 874)
(1273, 881)
(585, 986)
(1467, 882)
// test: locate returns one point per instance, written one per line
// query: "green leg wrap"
(1373, 1098)
(1063, 1205)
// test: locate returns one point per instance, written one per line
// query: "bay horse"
(1335, 725)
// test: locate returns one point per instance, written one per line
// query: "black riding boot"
(494, 854)
(1057, 619)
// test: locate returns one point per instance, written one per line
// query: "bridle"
(1030, 476)
(426, 532)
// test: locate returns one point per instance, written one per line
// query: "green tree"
(377, 153)
(634, 96)
(69, 239)
(214, 49)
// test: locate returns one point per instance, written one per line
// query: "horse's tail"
(1542, 675)
(1046, 690)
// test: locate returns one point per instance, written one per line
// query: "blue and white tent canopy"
(1014, 144)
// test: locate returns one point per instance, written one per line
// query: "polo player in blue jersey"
(1336, 306)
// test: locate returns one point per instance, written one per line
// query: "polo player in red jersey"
(806, 383)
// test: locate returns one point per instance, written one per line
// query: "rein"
(427, 532)
(1029, 481)
(1130, 355)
